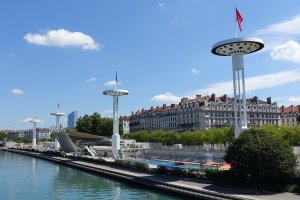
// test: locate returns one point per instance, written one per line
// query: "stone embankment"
(186, 187)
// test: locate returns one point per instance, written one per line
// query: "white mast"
(57, 115)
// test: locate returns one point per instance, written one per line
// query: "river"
(25, 177)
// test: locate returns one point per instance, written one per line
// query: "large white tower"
(57, 114)
(237, 48)
(34, 121)
(115, 93)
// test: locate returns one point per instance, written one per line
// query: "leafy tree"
(22, 140)
(3, 136)
(257, 155)
(97, 125)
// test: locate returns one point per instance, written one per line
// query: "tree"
(3, 136)
(257, 156)
(97, 125)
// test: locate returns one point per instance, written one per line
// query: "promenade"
(188, 187)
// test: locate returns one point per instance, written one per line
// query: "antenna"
(116, 81)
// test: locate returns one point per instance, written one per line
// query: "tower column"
(115, 136)
(237, 48)
(115, 139)
(34, 136)
(34, 121)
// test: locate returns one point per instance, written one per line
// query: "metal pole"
(244, 100)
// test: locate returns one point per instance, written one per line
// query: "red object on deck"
(181, 163)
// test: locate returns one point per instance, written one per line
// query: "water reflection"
(24, 177)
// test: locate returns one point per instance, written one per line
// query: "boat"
(181, 163)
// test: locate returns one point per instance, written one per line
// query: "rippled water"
(25, 177)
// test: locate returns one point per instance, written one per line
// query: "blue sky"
(69, 51)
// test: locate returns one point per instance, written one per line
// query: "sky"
(69, 52)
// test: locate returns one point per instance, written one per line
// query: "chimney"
(224, 98)
(184, 100)
(164, 106)
(213, 97)
(269, 100)
(151, 108)
(255, 99)
(292, 108)
(198, 96)
(282, 109)
(172, 105)
(143, 110)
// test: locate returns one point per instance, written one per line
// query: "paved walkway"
(171, 183)
(189, 183)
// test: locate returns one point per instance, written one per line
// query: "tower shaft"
(240, 115)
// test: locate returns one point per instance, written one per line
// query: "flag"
(58, 105)
(116, 78)
(239, 18)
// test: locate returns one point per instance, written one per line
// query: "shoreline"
(181, 186)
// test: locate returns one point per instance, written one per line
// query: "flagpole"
(235, 21)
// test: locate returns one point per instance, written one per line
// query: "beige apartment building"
(203, 112)
(290, 116)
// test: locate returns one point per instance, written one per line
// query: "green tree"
(22, 140)
(3, 136)
(257, 155)
(97, 125)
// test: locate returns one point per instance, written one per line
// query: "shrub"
(257, 156)
(162, 170)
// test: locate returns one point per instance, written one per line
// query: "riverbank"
(186, 187)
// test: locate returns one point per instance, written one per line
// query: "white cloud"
(91, 79)
(195, 71)
(254, 83)
(166, 98)
(28, 119)
(279, 33)
(17, 91)
(160, 4)
(112, 83)
(294, 100)
(63, 38)
(289, 51)
(289, 27)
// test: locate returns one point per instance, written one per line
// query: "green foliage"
(212, 136)
(46, 139)
(3, 136)
(291, 134)
(131, 164)
(22, 140)
(96, 125)
(259, 156)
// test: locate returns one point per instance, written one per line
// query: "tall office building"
(72, 118)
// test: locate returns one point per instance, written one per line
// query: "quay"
(181, 186)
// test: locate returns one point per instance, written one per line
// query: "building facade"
(203, 112)
(72, 119)
(290, 116)
(40, 133)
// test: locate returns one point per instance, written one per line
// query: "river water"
(25, 177)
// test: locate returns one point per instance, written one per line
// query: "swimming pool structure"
(177, 164)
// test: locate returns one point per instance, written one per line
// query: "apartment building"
(203, 112)
(290, 116)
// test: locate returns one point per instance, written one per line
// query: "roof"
(291, 109)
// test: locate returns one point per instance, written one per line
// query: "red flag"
(239, 18)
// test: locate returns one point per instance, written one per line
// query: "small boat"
(181, 163)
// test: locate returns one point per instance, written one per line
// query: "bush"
(162, 170)
(130, 164)
(257, 156)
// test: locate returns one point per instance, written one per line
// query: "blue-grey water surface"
(25, 177)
